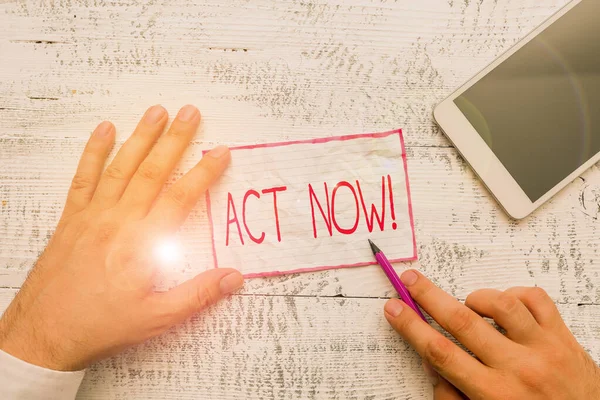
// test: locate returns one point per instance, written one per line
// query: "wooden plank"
(260, 71)
(282, 347)
(464, 241)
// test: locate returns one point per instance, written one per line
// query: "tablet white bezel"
(481, 158)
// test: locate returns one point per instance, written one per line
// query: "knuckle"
(419, 291)
(150, 171)
(81, 182)
(204, 298)
(115, 172)
(460, 321)
(403, 325)
(537, 298)
(179, 194)
(506, 304)
(179, 132)
(92, 150)
(106, 232)
(439, 353)
(73, 227)
(493, 387)
(208, 170)
(530, 373)
(538, 295)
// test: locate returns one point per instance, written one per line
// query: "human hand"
(538, 358)
(90, 294)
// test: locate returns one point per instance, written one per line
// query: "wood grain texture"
(464, 240)
(281, 347)
(264, 70)
(271, 70)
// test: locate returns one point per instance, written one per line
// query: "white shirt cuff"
(21, 380)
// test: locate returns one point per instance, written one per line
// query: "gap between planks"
(341, 296)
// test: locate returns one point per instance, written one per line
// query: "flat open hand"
(91, 294)
(538, 358)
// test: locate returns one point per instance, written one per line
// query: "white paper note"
(311, 205)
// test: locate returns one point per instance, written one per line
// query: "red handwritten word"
(233, 218)
(323, 203)
(374, 216)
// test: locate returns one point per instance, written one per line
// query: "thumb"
(198, 293)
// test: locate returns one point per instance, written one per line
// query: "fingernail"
(394, 307)
(409, 278)
(187, 113)
(154, 114)
(104, 129)
(232, 282)
(432, 376)
(218, 151)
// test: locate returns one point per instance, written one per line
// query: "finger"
(152, 173)
(196, 294)
(540, 305)
(445, 357)
(172, 209)
(445, 391)
(90, 168)
(507, 311)
(118, 174)
(466, 326)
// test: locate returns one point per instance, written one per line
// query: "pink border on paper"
(318, 141)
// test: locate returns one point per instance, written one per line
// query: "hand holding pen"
(537, 358)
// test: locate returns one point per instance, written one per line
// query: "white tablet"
(530, 122)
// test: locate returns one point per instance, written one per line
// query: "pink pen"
(395, 279)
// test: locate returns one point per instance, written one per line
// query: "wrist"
(24, 343)
(26, 350)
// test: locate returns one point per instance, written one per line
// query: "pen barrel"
(398, 285)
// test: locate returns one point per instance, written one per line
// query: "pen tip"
(374, 248)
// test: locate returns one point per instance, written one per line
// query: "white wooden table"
(270, 70)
